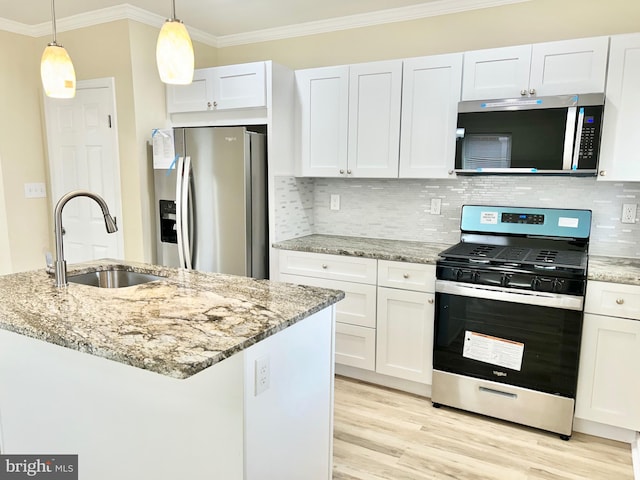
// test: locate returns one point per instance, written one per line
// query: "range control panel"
(528, 218)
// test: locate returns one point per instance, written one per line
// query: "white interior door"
(83, 154)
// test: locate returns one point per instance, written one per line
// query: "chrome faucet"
(109, 222)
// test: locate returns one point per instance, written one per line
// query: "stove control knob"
(535, 283)
(475, 278)
(505, 280)
(459, 272)
(557, 285)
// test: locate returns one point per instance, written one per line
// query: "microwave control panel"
(590, 136)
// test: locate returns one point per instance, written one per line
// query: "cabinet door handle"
(532, 91)
(523, 92)
(405, 275)
(348, 172)
(341, 172)
(603, 173)
(619, 301)
(324, 266)
(430, 301)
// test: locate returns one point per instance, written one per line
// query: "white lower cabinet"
(405, 334)
(609, 378)
(385, 322)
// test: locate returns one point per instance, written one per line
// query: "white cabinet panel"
(496, 72)
(358, 307)
(430, 95)
(323, 115)
(407, 276)
(220, 88)
(374, 119)
(356, 346)
(620, 149)
(239, 86)
(404, 346)
(613, 299)
(570, 66)
(552, 68)
(195, 97)
(335, 267)
(609, 379)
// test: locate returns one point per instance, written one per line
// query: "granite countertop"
(380, 249)
(604, 269)
(177, 326)
(614, 269)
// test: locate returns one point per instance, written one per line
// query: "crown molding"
(130, 12)
(414, 12)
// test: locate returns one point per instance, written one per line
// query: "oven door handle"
(542, 299)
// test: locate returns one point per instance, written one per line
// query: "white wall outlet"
(629, 211)
(263, 375)
(35, 190)
(436, 203)
(335, 202)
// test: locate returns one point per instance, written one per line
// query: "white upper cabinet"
(349, 120)
(220, 88)
(323, 116)
(553, 68)
(620, 147)
(374, 119)
(430, 96)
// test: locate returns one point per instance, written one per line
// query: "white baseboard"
(416, 388)
(604, 431)
(635, 456)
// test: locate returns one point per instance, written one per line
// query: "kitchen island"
(192, 376)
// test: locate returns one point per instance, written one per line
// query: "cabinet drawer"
(407, 276)
(358, 307)
(334, 267)
(356, 346)
(613, 299)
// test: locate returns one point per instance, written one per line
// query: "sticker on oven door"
(493, 350)
(489, 218)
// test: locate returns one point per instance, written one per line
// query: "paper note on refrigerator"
(164, 150)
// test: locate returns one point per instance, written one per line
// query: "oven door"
(526, 339)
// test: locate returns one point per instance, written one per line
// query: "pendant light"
(56, 70)
(174, 51)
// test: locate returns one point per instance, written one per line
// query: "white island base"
(131, 424)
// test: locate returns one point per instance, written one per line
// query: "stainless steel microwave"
(552, 135)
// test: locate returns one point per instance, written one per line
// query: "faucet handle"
(49, 260)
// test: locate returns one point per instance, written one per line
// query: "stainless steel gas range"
(509, 309)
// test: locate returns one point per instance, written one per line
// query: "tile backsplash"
(401, 209)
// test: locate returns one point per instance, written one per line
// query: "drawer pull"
(405, 275)
(324, 266)
(430, 301)
(619, 301)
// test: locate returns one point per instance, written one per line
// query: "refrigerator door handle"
(184, 204)
(179, 175)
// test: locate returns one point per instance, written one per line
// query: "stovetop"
(547, 257)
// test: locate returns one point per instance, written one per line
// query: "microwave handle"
(570, 130)
(578, 142)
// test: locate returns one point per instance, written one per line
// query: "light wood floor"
(386, 434)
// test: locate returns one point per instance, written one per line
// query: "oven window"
(523, 345)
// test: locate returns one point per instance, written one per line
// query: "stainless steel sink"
(114, 277)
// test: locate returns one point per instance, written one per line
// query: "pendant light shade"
(56, 70)
(174, 52)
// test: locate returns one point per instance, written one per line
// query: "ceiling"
(212, 20)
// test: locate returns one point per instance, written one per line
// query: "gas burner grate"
(547, 256)
(512, 254)
(482, 251)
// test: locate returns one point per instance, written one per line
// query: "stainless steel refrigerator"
(211, 202)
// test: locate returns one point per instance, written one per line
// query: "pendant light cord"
(173, 10)
(53, 18)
